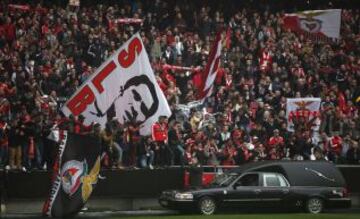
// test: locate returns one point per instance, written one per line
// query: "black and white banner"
(76, 172)
(123, 87)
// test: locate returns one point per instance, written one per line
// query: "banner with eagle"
(319, 24)
(303, 112)
(75, 174)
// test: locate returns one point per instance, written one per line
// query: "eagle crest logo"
(75, 174)
(303, 104)
(309, 23)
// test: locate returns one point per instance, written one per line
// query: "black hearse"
(310, 185)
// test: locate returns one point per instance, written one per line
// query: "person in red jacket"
(276, 143)
(9, 30)
(335, 147)
(80, 127)
(159, 132)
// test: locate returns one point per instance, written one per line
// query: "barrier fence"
(141, 183)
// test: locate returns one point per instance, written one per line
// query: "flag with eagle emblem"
(304, 111)
(76, 172)
(318, 24)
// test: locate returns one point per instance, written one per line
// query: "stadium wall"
(140, 183)
(122, 189)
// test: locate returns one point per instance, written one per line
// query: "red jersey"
(336, 144)
(275, 141)
(159, 132)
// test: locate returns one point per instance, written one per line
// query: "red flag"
(31, 152)
(176, 68)
(211, 69)
(228, 38)
(291, 22)
(19, 7)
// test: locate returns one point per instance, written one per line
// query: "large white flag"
(125, 82)
(319, 23)
(304, 110)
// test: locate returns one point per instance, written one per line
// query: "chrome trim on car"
(271, 199)
(242, 200)
(320, 174)
(251, 200)
(339, 199)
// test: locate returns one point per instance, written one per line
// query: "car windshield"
(224, 179)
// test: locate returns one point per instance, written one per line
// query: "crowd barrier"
(141, 183)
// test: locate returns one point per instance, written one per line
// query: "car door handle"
(257, 191)
(285, 191)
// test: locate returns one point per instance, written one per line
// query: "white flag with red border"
(123, 87)
(305, 110)
(211, 69)
(318, 23)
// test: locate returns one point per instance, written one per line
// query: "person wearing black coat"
(353, 154)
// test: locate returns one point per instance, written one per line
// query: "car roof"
(299, 173)
(262, 172)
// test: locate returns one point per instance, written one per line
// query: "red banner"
(178, 68)
(19, 7)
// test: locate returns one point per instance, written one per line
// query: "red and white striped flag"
(211, 69)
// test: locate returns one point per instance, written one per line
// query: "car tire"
(314, 205)
(207, 206)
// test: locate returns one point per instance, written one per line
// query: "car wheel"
(207, 206)
(314, 205)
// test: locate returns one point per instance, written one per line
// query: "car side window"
(273, 180)
(248, 180)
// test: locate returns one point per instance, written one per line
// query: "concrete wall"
(122, 190)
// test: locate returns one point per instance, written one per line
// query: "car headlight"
(184, 196)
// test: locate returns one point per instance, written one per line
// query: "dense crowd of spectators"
(46, 52)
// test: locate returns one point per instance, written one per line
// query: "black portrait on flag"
(140, 107)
